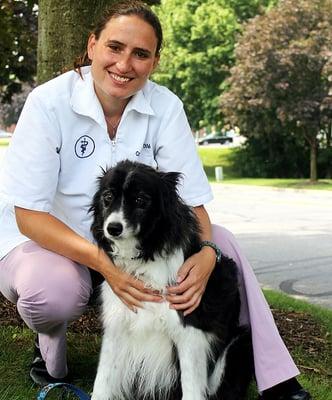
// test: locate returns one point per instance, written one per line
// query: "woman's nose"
(124, 63)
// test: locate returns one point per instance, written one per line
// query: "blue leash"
(42, 394)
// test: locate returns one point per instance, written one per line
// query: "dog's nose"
(115, 229)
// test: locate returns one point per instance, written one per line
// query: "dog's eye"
(139, 201)
(108, 197)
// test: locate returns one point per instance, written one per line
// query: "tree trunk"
(63, 28)
(313, 159)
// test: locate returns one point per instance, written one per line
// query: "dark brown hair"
(129, 7)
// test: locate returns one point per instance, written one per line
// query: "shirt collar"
(84, 100)
(140, 102)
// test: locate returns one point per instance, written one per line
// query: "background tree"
(282, 78)
(63, 28)
(18, 46)
(200, 37)
(10, 112)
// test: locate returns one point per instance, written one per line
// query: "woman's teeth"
(120, 78)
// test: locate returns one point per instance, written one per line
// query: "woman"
(69, 129)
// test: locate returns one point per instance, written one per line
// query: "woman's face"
(123, 57)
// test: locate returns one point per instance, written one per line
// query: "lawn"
(4, 142)
(213, 157)
(216, 157)
(305, 328)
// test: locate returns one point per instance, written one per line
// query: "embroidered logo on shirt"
(84, 146)
(146, 150)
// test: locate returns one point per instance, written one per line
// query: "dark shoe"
(37, 357)
(41, 377)
(38, 372)
(300, 394)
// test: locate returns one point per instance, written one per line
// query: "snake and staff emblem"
(84, 146)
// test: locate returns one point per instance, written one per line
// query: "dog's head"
(134, 207)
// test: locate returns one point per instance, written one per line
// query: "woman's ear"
(91, 45)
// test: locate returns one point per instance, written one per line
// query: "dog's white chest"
(154, 317)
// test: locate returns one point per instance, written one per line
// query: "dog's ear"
(168, 192)
(171, 178)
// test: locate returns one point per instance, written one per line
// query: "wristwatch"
(214, 247)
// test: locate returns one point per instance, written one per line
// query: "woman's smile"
(119, 78)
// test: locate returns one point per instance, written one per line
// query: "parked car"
(215, 137)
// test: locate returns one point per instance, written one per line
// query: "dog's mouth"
(120, 250)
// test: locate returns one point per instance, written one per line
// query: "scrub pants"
(50, 291)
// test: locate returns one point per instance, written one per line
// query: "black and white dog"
(156, 353)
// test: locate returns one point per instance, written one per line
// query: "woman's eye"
(141, 54)
(115, 49)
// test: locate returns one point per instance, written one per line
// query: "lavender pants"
(50, 291)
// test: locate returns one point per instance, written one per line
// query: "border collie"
(157, 353)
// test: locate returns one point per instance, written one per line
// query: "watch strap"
(214, 247)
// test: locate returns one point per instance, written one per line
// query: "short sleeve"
(31, 165)
(176, 151)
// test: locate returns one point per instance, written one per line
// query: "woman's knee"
(53, 302)
(51, 290)
(226, 241)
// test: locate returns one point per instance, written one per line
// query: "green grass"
(15, 356)
(213, 157)
(16, 348)
(316, 370)
(283, 302)
(4, 142)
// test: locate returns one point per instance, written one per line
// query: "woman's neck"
(113, 107)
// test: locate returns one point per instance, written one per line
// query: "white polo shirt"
(61, 144)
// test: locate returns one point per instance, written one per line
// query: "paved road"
(286, 235)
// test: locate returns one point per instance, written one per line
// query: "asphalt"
(286, 235)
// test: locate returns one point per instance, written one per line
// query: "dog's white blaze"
(124, 244)
(115, 217)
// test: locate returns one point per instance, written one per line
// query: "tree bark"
(63, 28)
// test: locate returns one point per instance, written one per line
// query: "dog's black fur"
(151, 201)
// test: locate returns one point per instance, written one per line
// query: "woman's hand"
(130, 290)
(192, 280)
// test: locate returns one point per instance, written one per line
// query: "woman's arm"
(52, 234)
(195, 272)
